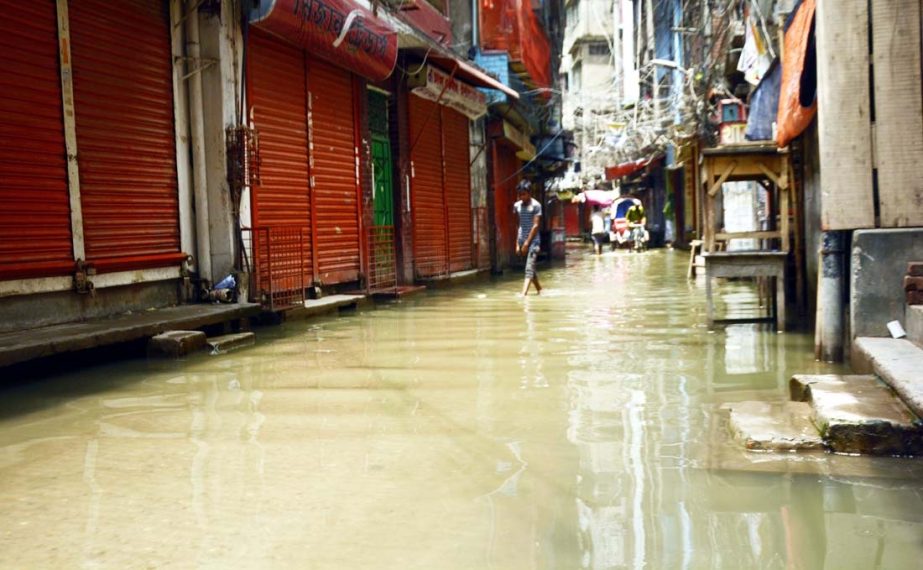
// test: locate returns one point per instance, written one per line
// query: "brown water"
(461, 429)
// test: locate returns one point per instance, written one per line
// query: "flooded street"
(463, 428)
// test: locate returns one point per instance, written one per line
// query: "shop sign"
(340, 31)
(435, 85)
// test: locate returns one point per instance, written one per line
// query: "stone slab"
(24, 345)
(764, 426)
(860, 414)
(878, 265)
(914, 324)
(226, 343)
(324, 305)
(898, 362)
(175, 344)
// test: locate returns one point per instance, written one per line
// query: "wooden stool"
(748, 264)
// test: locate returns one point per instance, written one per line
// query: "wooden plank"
(898, 111)
(724, 236)
(724, 176)
(843, 109)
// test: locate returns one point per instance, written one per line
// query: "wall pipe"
(831, 295)
(197, 140)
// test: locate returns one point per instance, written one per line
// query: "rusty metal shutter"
(457, 189)
(334, 175)
(35, 235)
(281, 198)
(123, 90)
(427, 200)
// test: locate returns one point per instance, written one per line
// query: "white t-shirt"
(599, 225)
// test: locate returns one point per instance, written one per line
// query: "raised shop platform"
(25, 345)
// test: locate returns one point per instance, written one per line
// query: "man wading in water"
(528, 240)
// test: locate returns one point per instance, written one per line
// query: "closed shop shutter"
(281, 198)
(427, 201)
(458, 189)
(506, 177)
(35, 236)
(333, 169)
(123, 88)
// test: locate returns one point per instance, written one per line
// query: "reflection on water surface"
(465, 428)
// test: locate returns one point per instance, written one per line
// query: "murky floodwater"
(461, 429)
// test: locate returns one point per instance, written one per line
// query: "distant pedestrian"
(528, 240)
(598, 230)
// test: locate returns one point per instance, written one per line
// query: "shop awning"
(436, 85)
(626, 168)
(471, 74)
(340, 31)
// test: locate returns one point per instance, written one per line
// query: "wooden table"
(747, 264)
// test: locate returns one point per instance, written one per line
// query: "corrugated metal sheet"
(427, 199)
(35, 235)
(506, 167)
(334, 174)
(278, 92)
(458, 189)
(123, 89)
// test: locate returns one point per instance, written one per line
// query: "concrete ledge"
(898, 362)
(914, 324)
(25, 345)
(761, 426)
(229, 342)
(878, 265)
(398, 292)
(860, 414)
(457, 278)
(175, 344)
(325, 305)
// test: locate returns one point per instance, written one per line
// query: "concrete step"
(764, 426)
(175, 344)
(859, 414)
(228, 342)
(898, 362)
(914, 324)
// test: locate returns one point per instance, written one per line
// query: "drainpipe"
(831, 293)
(475, 40)
(197, 136)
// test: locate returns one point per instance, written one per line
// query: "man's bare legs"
(529, 281)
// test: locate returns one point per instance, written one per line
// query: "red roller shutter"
(35, 236)
(458, 189)
(506, 176)
(333, 170)
(427, 202)
(123, 87)
(278, 93)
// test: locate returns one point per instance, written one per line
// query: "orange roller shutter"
(333, 169)
(427, 202)
(458, 189)
(278, 92)
(123, 88)
(35, 234)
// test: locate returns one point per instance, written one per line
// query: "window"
(598, 49)
(576, 76)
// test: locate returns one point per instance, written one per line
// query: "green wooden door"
(382, 193)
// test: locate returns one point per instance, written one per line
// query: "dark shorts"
(530, 260)
(599, 239)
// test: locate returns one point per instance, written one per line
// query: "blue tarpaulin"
(764, 105)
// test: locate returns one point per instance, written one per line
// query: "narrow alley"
(462, 428)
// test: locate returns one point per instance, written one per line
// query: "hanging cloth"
(798, 95)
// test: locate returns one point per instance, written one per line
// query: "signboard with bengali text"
(340, 31)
